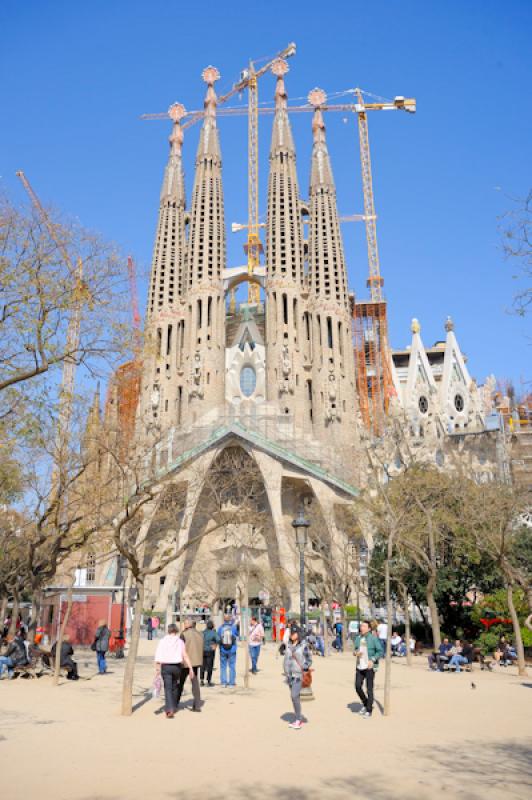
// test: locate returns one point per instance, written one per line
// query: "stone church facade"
(274, 381)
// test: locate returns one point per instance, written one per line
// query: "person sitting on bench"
(437, 660)
(464, 656)
(66, 659)
(15, 655)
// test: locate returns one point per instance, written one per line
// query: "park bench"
(30, 669)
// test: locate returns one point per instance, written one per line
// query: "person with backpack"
(101, 645)
(228, 636)
(297, 661)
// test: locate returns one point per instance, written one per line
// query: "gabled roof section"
(419, 371)
(247, 333)
(455, 372)
(238, 431)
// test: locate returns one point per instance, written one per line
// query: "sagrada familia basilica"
(273, 381)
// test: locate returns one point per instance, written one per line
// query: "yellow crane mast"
(248, 80)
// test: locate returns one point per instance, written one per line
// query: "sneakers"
(296, 725)
(363, 711)
(366, 714)
(202, 683)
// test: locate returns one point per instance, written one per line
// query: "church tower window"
(248, 380)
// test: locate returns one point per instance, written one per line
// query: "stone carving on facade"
(286, 383)
(331, 402)
(196, 376)
(488, 393)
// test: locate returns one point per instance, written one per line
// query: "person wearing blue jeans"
(101, 642)
(6, 661)
(14, 656)
(463, 656)
(256, 637)
(228, 637)
(457, 661)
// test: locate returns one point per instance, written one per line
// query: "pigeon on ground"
(473, 685)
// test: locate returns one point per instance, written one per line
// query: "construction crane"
(248, 80)
(253, 247)
(374, 379)
(133, 291)
(72, 337)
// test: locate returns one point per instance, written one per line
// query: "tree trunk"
(388, 660)
(3, 609)
(36, 609)
(244, 599)
(325, 631)
(64, 623)
(129, 671)
(521, 664)
(343, 620)
(14, 615)
(433, 608)
(406, 609)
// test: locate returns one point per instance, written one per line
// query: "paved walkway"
(443, 739)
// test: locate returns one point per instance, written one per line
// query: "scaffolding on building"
(372, 361)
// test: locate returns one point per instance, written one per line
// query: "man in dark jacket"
(16, 655)
(194, 644)
(66, 660)
(101, 642)
(439, 659)
(210, 641)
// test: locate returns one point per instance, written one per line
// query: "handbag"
(306, 674)
(156, 686)
(93, 645)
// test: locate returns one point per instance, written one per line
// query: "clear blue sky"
(77, 75)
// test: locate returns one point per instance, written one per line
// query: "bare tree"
(516, 230)
(38, 292)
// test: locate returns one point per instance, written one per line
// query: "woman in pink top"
(170, 658)
(256, 637)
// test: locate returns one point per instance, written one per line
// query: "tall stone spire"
(285, 262)
(284, 245)
(327, 271)
(333, 379)
(206, 260)
(167, 273)
(165, 319)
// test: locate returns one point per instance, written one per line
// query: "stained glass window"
(248, 381)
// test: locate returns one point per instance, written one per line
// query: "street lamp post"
(300, 525)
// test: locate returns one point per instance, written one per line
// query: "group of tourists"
(18, 653)
(191, 655)
(451, 656)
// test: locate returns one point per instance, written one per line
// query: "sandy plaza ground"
(443, 739)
